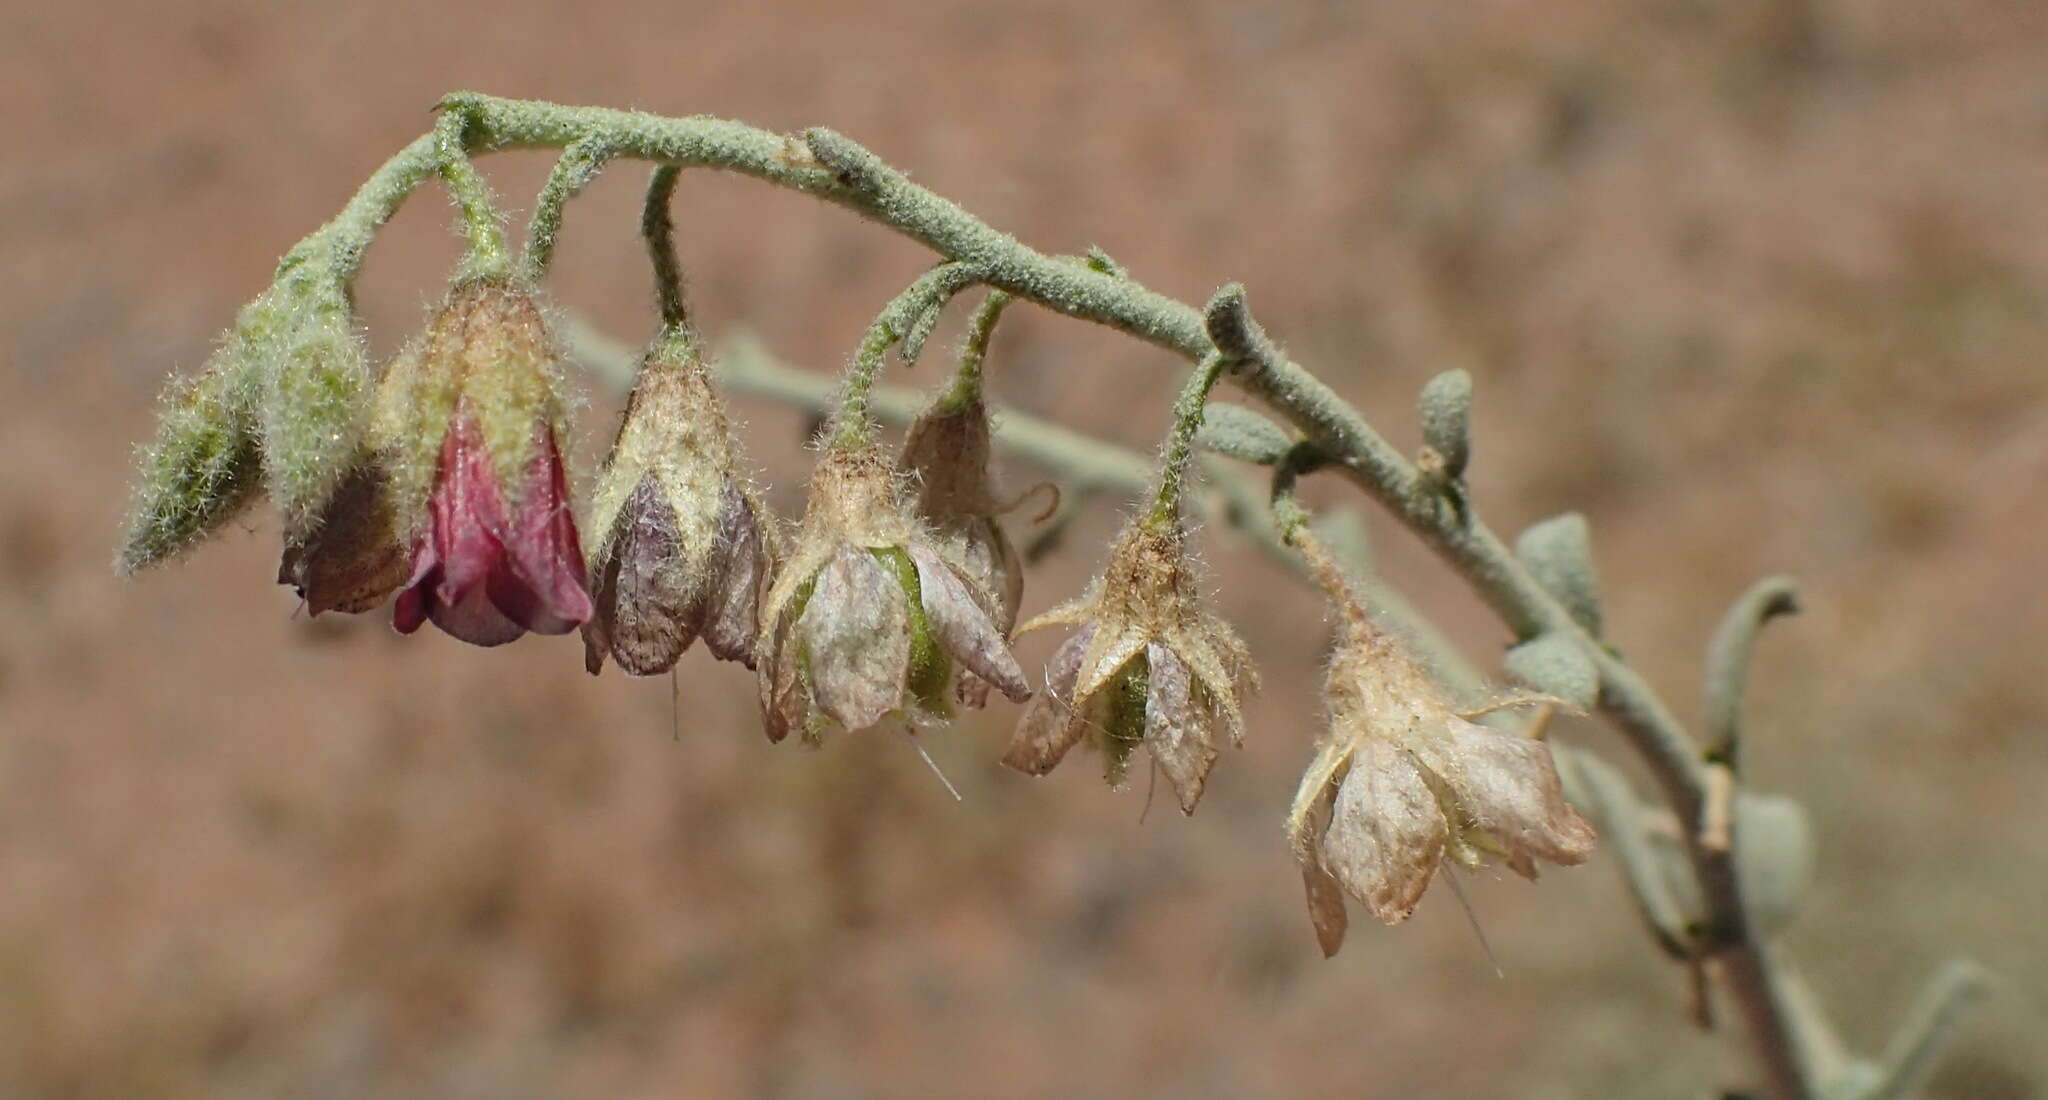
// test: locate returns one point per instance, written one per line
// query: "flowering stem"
(1180, 442)
(1291, 521)
(833, 168)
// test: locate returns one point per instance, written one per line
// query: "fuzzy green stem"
(1180, 442)
(574, 169)
(658, 228)
(488, 257)
(853, 427)
(1291, 522)
(974, 352)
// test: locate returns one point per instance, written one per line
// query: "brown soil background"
(1758, 286)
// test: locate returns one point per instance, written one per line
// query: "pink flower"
(491, 564)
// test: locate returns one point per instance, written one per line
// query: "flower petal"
(960, 625)
(1107, 656)
(475, 619)
(1507, 785)
(1050, 726)
(1179, 729)
(464, 514)
(731, 610)
(785, 705)
(1325, 908)
(354, 559)
(1387, 832)
(855, 632)
(540, 583)
(641, 610)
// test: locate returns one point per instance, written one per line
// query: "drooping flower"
(1149, 664)
(1401, 782)
(685, 549)
(352, 559)
(468, 425)
(870, 613)
(946, 453)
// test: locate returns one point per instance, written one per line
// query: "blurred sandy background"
(1759, 286)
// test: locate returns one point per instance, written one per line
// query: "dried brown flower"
(684, 548)
(870, 612)
(353, 559)
(946, 453)
(1148, 665)
(1400, 783)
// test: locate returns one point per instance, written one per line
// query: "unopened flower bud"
(684, 550)
(870, 613)
(315, 404)
(468, 428)
(205, 465)
(946, 452)
(1148, 665)
(202, 469)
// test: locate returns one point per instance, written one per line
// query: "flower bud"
(1401, 782)
(467, 428)
(315, 405)
(202, 469)
(1148, 665)
(205, 465)
(946, 453)
(684, 549)
(1445, 407)
(871, 612)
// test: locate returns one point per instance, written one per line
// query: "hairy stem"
(574, 169)
(658, 229)
(831, 167)
(974, 352)
(1180, 442)
(853, 427)
(487, 255)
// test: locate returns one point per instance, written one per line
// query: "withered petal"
(1106, 657)
(962, 627)
(641, 599)
(1325, 908)
(1049, 726)
(597, 633)
(1507, 785)
(354, 559)
(1387, 832)
(1179, 729)
(855, 630)
(730, 619)
(785, 706)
